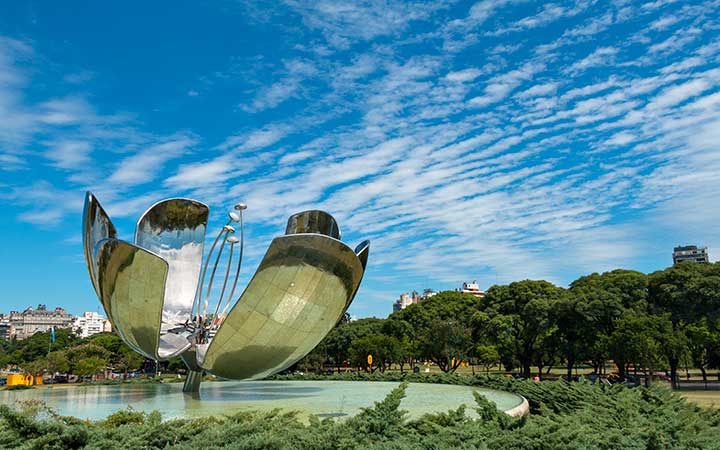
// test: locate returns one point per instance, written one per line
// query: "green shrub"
(564, 416)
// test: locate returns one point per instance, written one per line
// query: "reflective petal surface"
(174, 229)
(313, 221)
(302, 287)
(363, 251)
(131, 282)
(96, 227)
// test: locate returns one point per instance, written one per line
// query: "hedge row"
(564, 416)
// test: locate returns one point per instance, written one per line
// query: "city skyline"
(494, 140)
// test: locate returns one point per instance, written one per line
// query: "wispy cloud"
(146, 165)
(603, 56)
(343, 23)
(287, 87)
(68, 154)
(459, 151)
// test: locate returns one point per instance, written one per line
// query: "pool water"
(321, 398)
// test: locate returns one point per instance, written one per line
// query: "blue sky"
(496, 140)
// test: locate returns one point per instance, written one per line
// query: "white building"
(690, 253)
(406, 300)
(39, 320)
(7, 330)
(90, 323)
(472, 288)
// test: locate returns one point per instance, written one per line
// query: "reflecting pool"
(321, 398)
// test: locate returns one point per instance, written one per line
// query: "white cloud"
(558, 158)
(287, 87)
(460, 33)
(272, 96)
(603, 56)
(43, 218)
(549, 13)
(69, 154)
(66, 111)
(675, 42)
(500, 86)
(343, 23)
(464, 75)
(195, 175)
(679, 93)
(664, 22)
(145, 165)
(539, 90)
(264, 138)
(256, 139)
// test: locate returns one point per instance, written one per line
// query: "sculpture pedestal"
(192, 381)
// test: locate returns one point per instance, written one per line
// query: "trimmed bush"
(564, 416)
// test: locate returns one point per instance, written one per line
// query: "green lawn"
(710, 399)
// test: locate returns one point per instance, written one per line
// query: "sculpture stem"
(237, 272)
(192, 381)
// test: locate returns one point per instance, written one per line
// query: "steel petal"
(174, 229)
(96, 227)
(313, 221)
(303, 285)
(131, 282)
(363, 251)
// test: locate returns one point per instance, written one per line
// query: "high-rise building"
(406, 300)
(690, 253)
(90, 323)
(40, 320)
(472, 288)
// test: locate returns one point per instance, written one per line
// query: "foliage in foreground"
(565, 416)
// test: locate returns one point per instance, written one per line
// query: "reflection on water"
(322, 398)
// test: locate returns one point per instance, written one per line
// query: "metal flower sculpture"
(159, 295)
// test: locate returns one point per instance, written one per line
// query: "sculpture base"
(192, 382)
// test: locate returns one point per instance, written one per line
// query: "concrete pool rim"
(520, 410)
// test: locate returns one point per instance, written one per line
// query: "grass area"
(709, 399)
(556, 371)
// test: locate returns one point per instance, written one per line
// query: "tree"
(688, 293)
(446, 343)
(403, 332)
(598, 301)
(58, 362)
(446, 305)
(129, 362)
(110, 342)
(94, 353)
(487, 356)
(645, 341)
(702, 342)
(520, 317)
(577, 333)
(336, 345)
(91, 366)
(436, 327)
(38, 345)
(312, 362)
(385, 350)
(36, 367)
